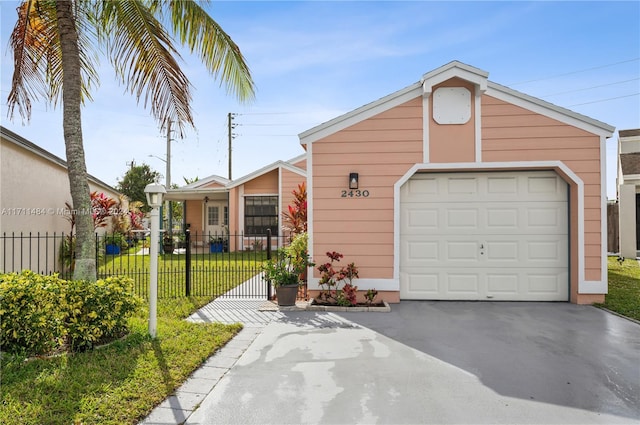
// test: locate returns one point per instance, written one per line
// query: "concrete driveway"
(436, 362)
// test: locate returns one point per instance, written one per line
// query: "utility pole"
(231, 126)
(168, 178)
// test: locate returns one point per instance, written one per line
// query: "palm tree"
(55, 46)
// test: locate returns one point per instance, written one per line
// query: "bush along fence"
(190, 264)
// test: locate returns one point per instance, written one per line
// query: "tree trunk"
(85, 265)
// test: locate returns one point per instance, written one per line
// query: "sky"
(314, 61)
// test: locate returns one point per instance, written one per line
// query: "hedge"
(41, 314)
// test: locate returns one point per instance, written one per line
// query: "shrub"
(39, 313)
(94, 311)
(31, 320)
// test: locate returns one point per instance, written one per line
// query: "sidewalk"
(254, 314)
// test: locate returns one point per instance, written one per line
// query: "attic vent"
(451, 105)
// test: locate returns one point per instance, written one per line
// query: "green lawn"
(211, 274)
(624, 288)
(116, 384)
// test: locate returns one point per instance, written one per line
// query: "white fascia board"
(209, 179)
(298, 158)
(549, 110)
(631, 178)
(362, 113)
(451, 70)
(264, 170)
(584, 287)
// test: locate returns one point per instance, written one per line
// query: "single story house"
(244, 208)
(628, 184)
(34, 187)
(458, 188)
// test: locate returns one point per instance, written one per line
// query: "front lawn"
(116, 384)
(211, 274)
(624, 288)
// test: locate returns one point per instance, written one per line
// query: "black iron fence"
(189, 264)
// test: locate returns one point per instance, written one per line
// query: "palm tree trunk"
(85, 266)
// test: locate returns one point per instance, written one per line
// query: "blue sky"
(313, 61)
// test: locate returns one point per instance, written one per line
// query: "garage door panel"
(484, 236)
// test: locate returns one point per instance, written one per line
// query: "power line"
(604, 100)
(573, 72)
(590, 88)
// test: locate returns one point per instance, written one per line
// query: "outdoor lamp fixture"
(155, 194)
(353, 180)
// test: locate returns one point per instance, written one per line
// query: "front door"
(216, 218)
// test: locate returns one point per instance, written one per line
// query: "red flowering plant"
(330, 279)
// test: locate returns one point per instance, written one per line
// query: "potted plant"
(114, 242)
(167, 243)
(216, 244)
(284, 276)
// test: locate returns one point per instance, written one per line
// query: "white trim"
(584, 287)
(426, 120)
(265, 170)
(240, 201)
(593, 286)
(310, 207)
(363, 284)
(360, 114)
(549, 110)
(604, 278)
(478, 125)
(455, 69)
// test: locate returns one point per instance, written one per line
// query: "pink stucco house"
(458, 188)
(245, 206)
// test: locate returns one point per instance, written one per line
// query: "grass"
(624, 288)
(117, 384)
(211, 274)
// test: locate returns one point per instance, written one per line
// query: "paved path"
(425, 362)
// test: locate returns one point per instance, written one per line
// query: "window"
(260, 214)
(213, 218)
(225, 216)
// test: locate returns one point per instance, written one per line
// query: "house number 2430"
(354, 194)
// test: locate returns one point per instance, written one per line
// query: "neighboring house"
(628, 183)
(463, 190)
(34, 187)
(246, 206)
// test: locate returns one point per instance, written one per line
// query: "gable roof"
(205, 181)
(630, 163)
(455, 69)
(264, 170)
(23, 143)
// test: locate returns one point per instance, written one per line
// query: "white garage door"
(484, 236)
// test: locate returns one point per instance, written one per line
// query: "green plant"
(371, 295)
(281, 270)
(39, 313)
(95, 311)
(299, 254)
(31, 320)
(117, 239)
(330, 279)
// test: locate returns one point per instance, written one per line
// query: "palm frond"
(38, 59)
(222, 57)
(144, 57)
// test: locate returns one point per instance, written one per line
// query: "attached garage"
(458, 188)
(484, 236)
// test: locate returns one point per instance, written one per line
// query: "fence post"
(268, 258)
(187, 263)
